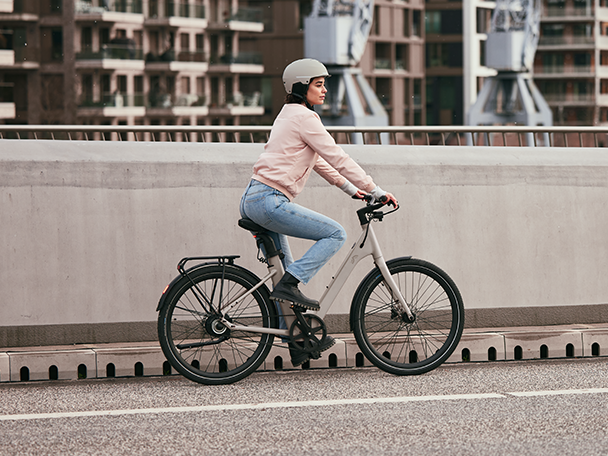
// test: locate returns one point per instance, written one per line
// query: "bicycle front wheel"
(191, 334)
(385, 336)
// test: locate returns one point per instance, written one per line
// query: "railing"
(565, 12)
(246, 15)
(114, 100)
(588, 98)
(184, 9)
(167, 101)
(512, 136)
(112, 51)
(248, 58)
(565, 40)
(382, 64)
(560, 69)
(102, 6)
(183, 56)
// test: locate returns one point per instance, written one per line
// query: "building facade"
(219, 62)
(571, 64)
(139, 62)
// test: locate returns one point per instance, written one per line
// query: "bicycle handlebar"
(364, 212)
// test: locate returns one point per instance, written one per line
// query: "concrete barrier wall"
(91, 231)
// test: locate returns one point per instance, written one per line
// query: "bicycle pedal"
(315, 355)
(298, 308)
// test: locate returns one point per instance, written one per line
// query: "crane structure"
(336, 34)
(511, 97)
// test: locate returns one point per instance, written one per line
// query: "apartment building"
(571, 64)
(131, 62)
(219, 62)
(7, 59)
(393, 61)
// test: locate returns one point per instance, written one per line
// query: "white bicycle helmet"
(302, 71)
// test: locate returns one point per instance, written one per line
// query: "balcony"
(382, 64)
(163, 105)
(244, 20)
(7, 54)
(565, 42)
(569, 99)
(20, 10)
(186, 61)
(108, 11)
(239, 105)
(562, 71)
(113, 105)
(564, 14)
(112, 57)
(26, 58)
(7, 105)
(177, 14)
(243, 62)
(6, 6)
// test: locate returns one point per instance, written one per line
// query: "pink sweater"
(298, 144)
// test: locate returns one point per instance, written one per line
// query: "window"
(86, 39)
(383, 90)
(552, 30)
(417, 93)
(443, 55)
(416, 21)
(104, 36)
(484, 20)
(582, 59)
(121, 84)
(376, 20)
(585, 30)
(406, 22)
(51, 44)
(185, 85)
(138, 88)
(447, 22)
(432, 22)
(185, 41)
(383, 56)
(87, 89)
(401, 57)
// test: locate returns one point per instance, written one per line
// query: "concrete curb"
(147, 359)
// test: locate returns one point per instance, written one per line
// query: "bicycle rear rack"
(222, 261)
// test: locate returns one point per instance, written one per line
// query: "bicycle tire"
(397, 346)
(185, 318)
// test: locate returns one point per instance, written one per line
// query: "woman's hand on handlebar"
(390, 200)
(359, 195)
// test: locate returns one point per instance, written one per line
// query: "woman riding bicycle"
(299, 144)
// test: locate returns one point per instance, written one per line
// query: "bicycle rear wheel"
(192, 337)
(399, 346)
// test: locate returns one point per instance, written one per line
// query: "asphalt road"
(512, 408)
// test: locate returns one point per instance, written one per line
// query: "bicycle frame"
(366, 245)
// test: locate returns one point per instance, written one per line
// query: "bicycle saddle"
(250, 225)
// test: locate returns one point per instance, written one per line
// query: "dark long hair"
(291, 98)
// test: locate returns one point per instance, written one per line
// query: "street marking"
(293, 404)
(560, 392)
(261, 406)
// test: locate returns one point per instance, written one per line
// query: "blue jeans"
(272, 209)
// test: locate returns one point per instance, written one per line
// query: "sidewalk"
(146, 358)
